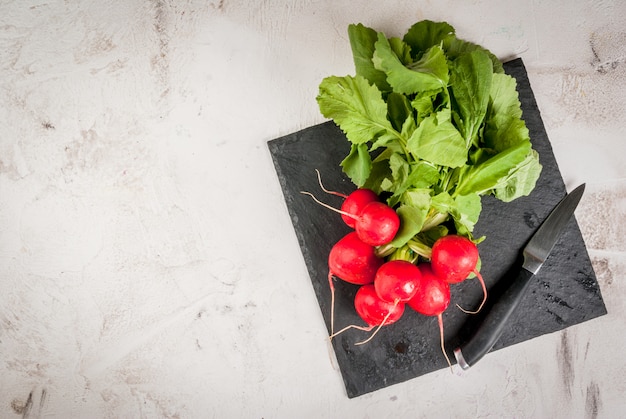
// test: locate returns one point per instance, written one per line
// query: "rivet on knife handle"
(534, 253)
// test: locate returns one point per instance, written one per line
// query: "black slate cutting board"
(564, 293)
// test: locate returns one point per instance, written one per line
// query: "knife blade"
(534, 255)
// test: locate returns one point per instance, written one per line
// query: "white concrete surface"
(148, 266)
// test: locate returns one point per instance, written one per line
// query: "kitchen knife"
(534, 255)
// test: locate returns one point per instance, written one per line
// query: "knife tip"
(579, 189)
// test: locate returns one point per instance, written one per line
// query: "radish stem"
(433, 221)
(420, 248)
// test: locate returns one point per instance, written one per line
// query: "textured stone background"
(148, 266)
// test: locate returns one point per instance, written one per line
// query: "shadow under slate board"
(564, 293)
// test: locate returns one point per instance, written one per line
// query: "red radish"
(374, 311)
(353, 203)
(376, 225)
(433, 299)
(353, 261)
(434, 295)
(453, 259)
(397, 281)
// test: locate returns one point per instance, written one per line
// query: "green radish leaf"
(410, 176)
(411, 222)
(425, 34)
(455, 47)
(399, 109)
(434, 63)
(356, 106)
(388, 139)
(401, 49)
(409, 126)
(399, 173)
(358, 164)
(424, 103)
(470, 85)
(503, 125)
(418, 197)
(379, 173)
(521, 180)
(429, 73)
(482, 178)
(466, 212)
(443, 203)
(423, 175)
(362, 40)
(438, 141)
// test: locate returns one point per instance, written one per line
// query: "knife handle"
(492, 326)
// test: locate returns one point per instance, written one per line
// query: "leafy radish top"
(434, 124)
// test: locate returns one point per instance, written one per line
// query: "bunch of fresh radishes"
(387, 286)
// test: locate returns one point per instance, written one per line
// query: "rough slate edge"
(564, 293)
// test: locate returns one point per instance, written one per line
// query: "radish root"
(443, 346)
(379, 326)
(352, 326)
(319, 180)
(482, 283)
(332, 303)
(328, 206)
